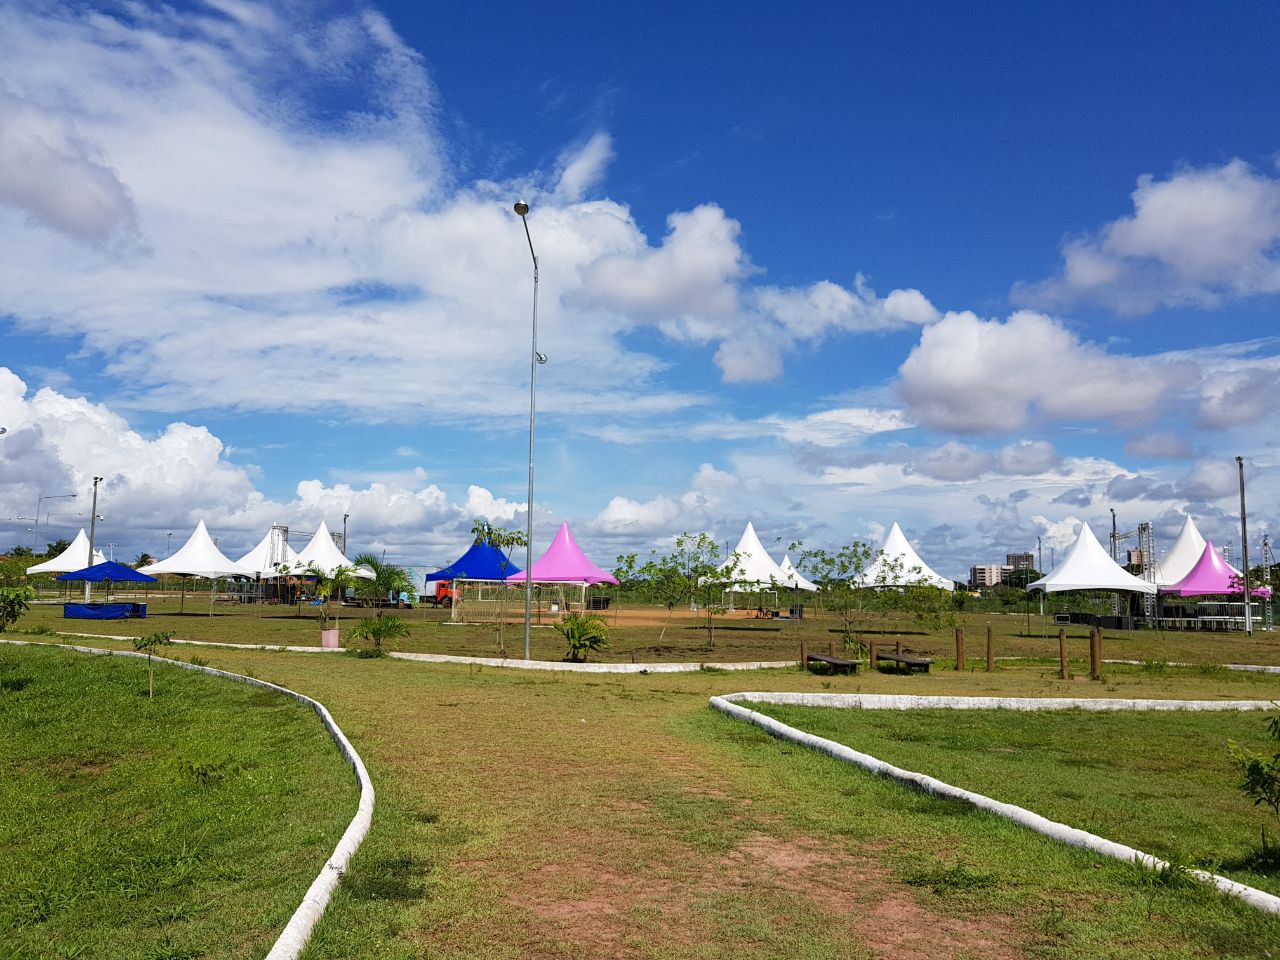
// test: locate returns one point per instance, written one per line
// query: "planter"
(329, 639)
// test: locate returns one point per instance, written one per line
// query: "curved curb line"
(1071, 836)
(595, 667)
(300, 926)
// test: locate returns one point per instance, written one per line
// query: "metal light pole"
(93, 523)
(168, 542)
(1040, 564)
(1244, 553)
(535, 358)
(344, 533)
(39, 502)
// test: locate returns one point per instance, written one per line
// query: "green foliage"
(380, 629)
(389, 580)
(21, 552)
(583, 632)
(14, 602)
(329, 584)
(148, 645)
(693, 573)
(1260, 774)
(504, 540)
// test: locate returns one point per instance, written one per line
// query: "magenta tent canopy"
(1210, 575)
(564, 562)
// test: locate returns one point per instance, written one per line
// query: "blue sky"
(987, 270)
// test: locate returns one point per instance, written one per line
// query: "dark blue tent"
(483, 561)
(109, 570)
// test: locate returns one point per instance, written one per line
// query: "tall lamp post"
(1040, 564)
(1244, 554)
(93, 523)
(535, 358)
(39, 502)
(344, 533)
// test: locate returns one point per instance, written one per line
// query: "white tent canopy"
(756, 570)
(794, 577)
(272, 551)
(323, 554)
(1088, 567)
(1182, 556)
(899, 565)
(75, 557)
(198, 557)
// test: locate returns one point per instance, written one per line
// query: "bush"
(583, 632)
(375, 630)
(1260, 776)
(14, 602)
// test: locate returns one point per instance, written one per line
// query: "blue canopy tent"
(107, 572)
(483, 561)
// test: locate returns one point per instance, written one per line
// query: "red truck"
(446, 594)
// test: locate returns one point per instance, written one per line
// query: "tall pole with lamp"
(344, 533)
(1244, 554)
(535, 358)
(93, 524)
(39, 503)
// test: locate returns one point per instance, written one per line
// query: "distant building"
(1020, 561)
(987, 574)
(1137, 558)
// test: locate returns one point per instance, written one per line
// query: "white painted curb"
(1071, 836)
(298, 930)
(595, 667)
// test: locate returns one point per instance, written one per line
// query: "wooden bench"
(837, 664)
(909, 664)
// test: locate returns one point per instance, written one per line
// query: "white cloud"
(1199, 237)
(954, 461)
(811, 312)
(972, 375)
(1028, 457)
(483, 505)
(584, 168)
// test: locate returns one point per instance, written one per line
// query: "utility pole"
(93, 524)
(1040, 566)
(1244, 553)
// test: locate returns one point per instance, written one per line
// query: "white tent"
(75, 557)
(899, 565)
(794, 577)
(1088, 567)
(323, 554)
(198, 557)
(272, 551)
(756, 570)
(1182, 556)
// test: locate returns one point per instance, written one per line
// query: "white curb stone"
(298, 930)
(1071, 836)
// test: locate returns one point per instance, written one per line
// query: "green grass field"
(550, 814)
(636, 634)
(1161, 782)
(189, 825)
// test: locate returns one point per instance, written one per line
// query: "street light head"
(522, 208)
(542, 357)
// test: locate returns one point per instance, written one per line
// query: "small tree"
(149, 644)
(692, 571)
(14, 602)
(1260, 777)
(380, 629)
(503, 540)
(326, 586)
(583, 632)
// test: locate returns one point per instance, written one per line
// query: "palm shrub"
(148, 645)
(583, 632)
(376, 630)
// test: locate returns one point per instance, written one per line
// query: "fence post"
(1093, 653)
(831, 648)
(871, 648)
(804, 654)
(959, 648)
(991, 650)
(1062, 653)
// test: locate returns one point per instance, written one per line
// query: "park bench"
(837, 664)
(909, 664)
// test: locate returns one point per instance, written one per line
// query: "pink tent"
(564, 562)
(1210, 575)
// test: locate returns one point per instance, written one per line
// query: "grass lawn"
(185, 826)
(1161, 782)
(636, 634)
(552, 815)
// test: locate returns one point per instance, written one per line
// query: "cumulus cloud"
(1028, 457)
(52, 174)
(1209, 480)
(1199, 237)
(954, 461)
(1160, 445)
(974, 376)
(1138, 487)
